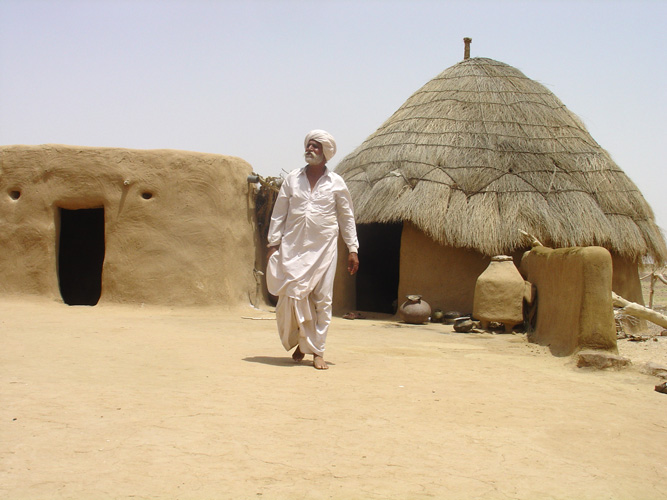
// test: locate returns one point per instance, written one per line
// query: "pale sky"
(250, 78)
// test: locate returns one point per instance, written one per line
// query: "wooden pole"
(466, 51)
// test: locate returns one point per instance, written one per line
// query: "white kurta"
(301, 273)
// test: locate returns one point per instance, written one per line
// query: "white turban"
(325, 139)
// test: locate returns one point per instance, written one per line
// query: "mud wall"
(444, 276)
(625, 281)
(178, 226)
(574, 308)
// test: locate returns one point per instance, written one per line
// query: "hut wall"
(574, 308)
(625, 281)
(178, 226)
(444, 276)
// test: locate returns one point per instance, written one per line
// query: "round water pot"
(414, 310)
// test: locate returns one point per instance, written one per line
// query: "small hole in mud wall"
(15, 194)
(81, 255)
(146, 195)
(380, 254)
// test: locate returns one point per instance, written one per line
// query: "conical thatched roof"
(482, 151)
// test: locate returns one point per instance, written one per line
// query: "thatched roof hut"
(481, 152)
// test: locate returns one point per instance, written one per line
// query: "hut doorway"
(379, 254)
(81, 255)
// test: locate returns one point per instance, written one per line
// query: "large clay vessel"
(499, 294)
(414, 310)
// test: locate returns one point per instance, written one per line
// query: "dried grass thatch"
(482, 151)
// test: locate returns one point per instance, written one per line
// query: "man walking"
(312, 206)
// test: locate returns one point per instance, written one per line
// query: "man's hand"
(352, 263)
(271, 251)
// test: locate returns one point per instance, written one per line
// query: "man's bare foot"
(319, 363)
(297, 355)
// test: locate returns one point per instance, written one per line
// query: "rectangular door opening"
(380, 255)
(81, 255)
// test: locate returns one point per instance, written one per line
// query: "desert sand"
(147, 402)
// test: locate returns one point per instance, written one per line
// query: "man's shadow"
(272, 360)
(280, 361)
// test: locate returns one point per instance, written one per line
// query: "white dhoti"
(305, 322)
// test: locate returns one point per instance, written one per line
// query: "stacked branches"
(481, 151)
(265, 199)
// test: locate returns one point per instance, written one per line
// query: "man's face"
(313, 154)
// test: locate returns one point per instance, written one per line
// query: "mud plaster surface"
(200, 403)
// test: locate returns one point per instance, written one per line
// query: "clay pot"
(450, 317)
(437, 316)
(499, 294)
(463, 325)
(414, 310)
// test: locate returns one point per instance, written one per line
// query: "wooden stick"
(534, 242)
(634, 309)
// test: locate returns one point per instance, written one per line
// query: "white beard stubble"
(313, 159)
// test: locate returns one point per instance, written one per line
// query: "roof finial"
(466, 52)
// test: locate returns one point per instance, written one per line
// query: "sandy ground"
(160, 403)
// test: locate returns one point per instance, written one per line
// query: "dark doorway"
(379, 255)
(81, 255)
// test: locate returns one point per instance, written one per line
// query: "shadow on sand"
(272, 360)
(281, 361)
